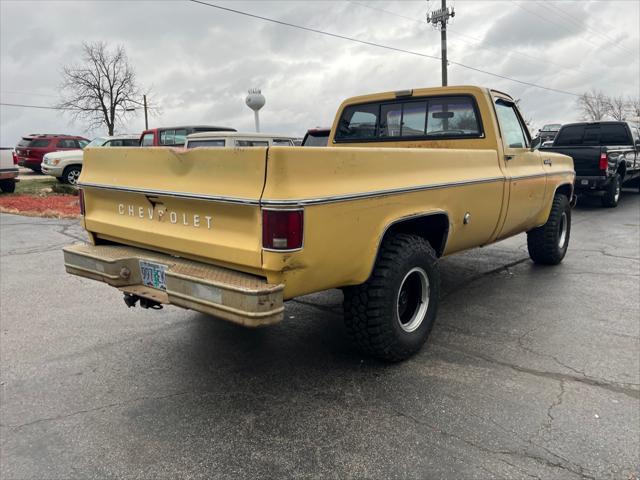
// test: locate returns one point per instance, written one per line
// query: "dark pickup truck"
(605, 155)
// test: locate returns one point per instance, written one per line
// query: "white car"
(66, 166)
(8, 170)
(237, 139)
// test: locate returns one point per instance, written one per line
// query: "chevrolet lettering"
(407, 177)
(159, 213)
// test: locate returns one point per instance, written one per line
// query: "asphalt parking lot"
(530, 372)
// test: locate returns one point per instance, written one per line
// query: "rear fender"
(433, 226)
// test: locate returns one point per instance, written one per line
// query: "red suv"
(32, 148)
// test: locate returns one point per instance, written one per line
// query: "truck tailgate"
(200, 203)
(586, 159)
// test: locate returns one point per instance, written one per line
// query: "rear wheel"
(7, 186)
(612, 193)
(391, 315)
(71, 174)
(548, 244)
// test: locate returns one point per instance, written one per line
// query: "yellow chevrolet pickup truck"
(407, 177)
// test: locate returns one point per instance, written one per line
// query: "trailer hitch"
(130, 300)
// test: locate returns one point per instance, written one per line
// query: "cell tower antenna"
(439, 18)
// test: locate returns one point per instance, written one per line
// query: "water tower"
(255, 101)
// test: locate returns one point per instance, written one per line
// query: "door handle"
(509, 157)
(548, 161)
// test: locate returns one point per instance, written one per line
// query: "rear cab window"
(593, 135)
(206, 143)
(251, 143)
(282, 142)
(446, 117)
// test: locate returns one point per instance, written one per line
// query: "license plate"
(584, 182)
(153, 274)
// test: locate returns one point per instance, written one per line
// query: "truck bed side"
(350, 196)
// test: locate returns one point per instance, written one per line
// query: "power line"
(479, 42)
(386, 47)
(550, 21)
(28, 93)
(33, 106)
(582, 25)
(44, 107)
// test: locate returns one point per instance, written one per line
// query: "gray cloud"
(199, 61)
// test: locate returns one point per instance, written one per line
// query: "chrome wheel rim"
(564, 226)
(412, 300)
(72, 176)
(616, 196)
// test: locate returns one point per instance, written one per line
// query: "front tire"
(548, 244)
(71, 174)
(612, 193)
(391, 315)
(7, 186)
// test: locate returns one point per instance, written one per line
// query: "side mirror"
(637, 143)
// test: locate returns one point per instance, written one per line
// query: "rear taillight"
(81, 200)
(282, 229)
(15, 157)
(604, 161)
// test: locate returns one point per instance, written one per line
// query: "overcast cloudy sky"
(200, 61)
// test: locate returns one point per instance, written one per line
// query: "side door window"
(513, 135)
(147, 140)
(66, 143)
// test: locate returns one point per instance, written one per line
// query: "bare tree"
(102, 89)
(617, 108)
(594, 105)
(633, 109)
(528, 121)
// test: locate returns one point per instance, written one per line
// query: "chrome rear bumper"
(235, 296)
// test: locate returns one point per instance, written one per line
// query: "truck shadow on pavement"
(594, 202)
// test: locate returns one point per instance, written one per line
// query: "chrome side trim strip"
(169, 193)
(313, 201)
(377, 193)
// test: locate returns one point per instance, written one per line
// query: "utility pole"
(146, 118)
(441, 17)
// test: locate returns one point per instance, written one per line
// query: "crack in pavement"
(605, 253)
(65, 231)
(29, 251)
(16, 428)
(322, 308)
(616, 387)
(475, 278)
(560, 461)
